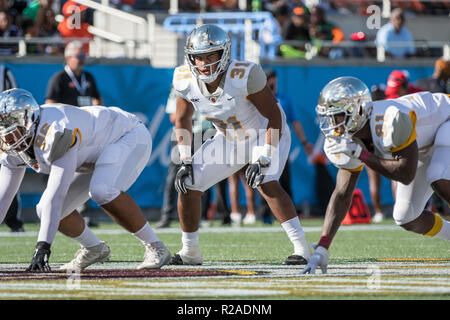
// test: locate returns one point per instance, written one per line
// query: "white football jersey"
(396, 123)
(231, 113)
(61, 127)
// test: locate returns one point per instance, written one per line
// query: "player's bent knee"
(404, 212)
(103, 194)
(437, 171)
(39, 210)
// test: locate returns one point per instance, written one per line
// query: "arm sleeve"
(10, 178)
(256, 79)
(51, 204)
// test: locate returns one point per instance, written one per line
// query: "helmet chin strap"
(28, 155)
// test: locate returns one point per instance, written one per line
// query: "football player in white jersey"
(90, 152)
(405, 139)
(251, 130)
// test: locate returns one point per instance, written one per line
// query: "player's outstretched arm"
(266, 104)
(50, 207)
(183, 126)
(337, 209)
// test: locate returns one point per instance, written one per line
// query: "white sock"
(444, 233)
(189, 241)
(87, 238)
(296, 234)
(146, 234)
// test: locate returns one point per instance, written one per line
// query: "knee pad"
(102, 193)
(39, 210)
(439, 167)
(442, 134)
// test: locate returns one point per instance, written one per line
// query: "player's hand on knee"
(318, 259)
(40, 258)
(186, 170)
(254, 173)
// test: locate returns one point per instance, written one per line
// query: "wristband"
(325, 241)
(365, 155)
(268, 150)
(185, 151)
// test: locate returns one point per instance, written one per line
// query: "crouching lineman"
(90, 152)
(405, 139)
(251, 129)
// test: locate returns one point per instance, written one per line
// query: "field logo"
(374, 281)
(73, 281)
(374, 20)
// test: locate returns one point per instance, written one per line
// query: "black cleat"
(176, 260)
(295, 260)
(226, 221)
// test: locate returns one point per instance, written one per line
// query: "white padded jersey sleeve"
(10, 180)
(50, 206)
(256, 79)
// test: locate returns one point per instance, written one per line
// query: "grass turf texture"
(256, 247)
(410, 266)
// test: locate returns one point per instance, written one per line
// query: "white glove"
(318, 259)
(345, 145)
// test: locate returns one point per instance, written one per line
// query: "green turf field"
(370, 261)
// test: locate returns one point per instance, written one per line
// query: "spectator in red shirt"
(69, 28)
(398, 85)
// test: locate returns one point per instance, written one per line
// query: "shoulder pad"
(398, 129)
(57, 141)
(181, 78)
(238, 72)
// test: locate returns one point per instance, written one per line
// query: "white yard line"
(367, 227)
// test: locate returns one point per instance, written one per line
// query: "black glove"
(40, 258)
(185, 171)
(254, 174)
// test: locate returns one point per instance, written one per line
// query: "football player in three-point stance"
(89, 152)
(251, 130)
(405, 139)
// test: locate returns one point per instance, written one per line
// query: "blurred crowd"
(303, 21)
(37, 19)
(331, 6)
(307, 30)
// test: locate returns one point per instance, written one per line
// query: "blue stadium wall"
(144, 90)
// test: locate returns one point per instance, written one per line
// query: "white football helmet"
(204, 39)
(19, 116)
(348, 96)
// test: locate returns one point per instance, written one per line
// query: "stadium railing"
(355, 49)
(245, 28)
